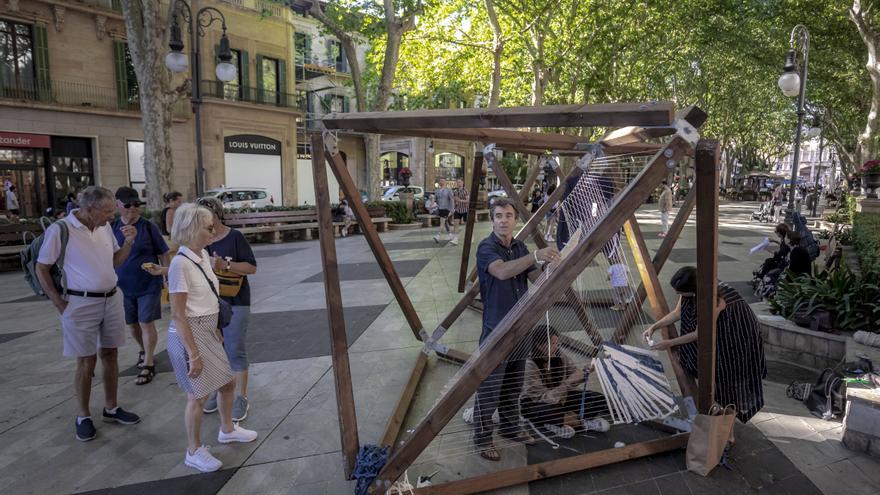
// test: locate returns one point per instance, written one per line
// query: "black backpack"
(827, 400)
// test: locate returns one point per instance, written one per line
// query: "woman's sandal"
(141, 356)
(490, 454)
(146, 375)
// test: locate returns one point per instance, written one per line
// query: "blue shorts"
(234, 336)
(143, 309)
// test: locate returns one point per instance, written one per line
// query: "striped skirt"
(215, 366)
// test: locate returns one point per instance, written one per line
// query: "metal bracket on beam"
(431, 344)
(686, 131)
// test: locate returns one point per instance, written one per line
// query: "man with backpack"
(141, 290)
(90, 305)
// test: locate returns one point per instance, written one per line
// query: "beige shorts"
(90, 323)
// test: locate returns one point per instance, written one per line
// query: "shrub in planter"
(397, 212)
(852, 301)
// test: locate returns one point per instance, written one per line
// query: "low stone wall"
(787, 342)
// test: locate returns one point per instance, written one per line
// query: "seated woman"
(551, 389)
(739, 348)
(799, 262)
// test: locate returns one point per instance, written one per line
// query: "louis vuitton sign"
(251, 144)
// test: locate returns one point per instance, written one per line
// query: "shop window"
(71, 166)
(449, 166)
(392, 162)
(17, 70)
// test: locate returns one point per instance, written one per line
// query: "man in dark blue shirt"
(504, 265)
(140, 278)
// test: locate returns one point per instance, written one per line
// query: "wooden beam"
(372, 236)
(657, 301)
(610, 114)
(706, 184)
(395, 422)
(631, 314)
(630, 135)
(556, 467)
(522, 318)
(502, 137)
(348, 432)
(525, 192)
(471, 218)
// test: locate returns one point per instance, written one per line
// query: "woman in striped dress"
(195, 347)
(739, 349)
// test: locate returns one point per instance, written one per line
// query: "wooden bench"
(429, 220)
(483, 215)
(274, 224)
(12, 241)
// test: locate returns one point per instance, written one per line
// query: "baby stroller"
(766, 277)
(764, 213)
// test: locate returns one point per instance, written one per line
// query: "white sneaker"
(563, 431)
(238, 434)
(437, 238)
(597, 424)
(454, 241)
(468, 416)
(202, 460)
(449, 236)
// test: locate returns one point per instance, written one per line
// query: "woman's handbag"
(708, 439)
(225, 315)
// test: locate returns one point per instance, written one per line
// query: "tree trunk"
(373, 166)
(867, 142)
(389, 66)
(497, 52)
(146, 31)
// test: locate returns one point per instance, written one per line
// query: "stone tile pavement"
(292, 396)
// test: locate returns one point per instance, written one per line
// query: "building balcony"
(75, 95)
(311, 67)
(256, 96)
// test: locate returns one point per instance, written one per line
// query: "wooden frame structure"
(466, 124)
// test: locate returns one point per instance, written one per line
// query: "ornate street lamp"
(792, 84)
(177, 62)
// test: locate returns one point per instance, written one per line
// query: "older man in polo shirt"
(504, 265)
(92, 318)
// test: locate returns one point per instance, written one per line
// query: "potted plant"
(870, 172)
(406, 197)
(404, 174)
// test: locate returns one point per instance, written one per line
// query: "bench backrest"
(263, 217)
(13, 233)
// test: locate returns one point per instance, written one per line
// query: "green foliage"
(397, 211)
(514, 165)
(852, 301)
(866, 237)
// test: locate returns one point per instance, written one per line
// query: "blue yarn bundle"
(370, 460)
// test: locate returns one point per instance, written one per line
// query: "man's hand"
(129, 232)
(61, 305)
(548, 254)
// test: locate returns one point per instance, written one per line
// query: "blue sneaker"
(120, 416)
(85, 429)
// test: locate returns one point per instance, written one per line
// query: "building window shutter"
(121, 75)
(282, 83)
(244, 76)
(41, 62)
(259, 67)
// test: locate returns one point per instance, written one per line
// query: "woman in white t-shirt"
(618, 274)
(195, 346)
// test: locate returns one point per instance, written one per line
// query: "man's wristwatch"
(228, 265)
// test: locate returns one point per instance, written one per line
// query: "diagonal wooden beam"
(395, 422)
(657, 301)
(471, 218)
(610, 114)
(348, 432)
(369, 230)
(630, 315)
(530, 182)
(630, 135)
(706, 184)
(522, 318)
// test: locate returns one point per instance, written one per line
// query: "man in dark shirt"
(504, 264)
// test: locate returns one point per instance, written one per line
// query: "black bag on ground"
(828, 397)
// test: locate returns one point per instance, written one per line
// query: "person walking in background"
(91, 308)
(444, 207)
(166, 217)
(461, 197)
(141, 278)
(665, 205)
(232, 261)
(195, 346)
(71, 203)
(12, 203)
(618, 274)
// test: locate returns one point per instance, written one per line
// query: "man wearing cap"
(140, 278)
(89, 303)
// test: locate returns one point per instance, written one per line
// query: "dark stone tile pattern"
(6, 337)
(745, 289)
(371, 270)
(287, 335)
(31, 298)
(274, 253)
(195, 484)
(689, 255)
(756, 467)
(745, 233)
(429, 244)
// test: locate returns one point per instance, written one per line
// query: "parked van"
(242, 197)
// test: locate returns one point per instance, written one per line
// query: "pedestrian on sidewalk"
(461, 197)
(173, 201)
(665, 205)
(195, 346)
(12, 203)
(141, 278)
(232, 260)
(91, 307)
(444, 207)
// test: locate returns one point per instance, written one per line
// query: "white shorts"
(90, 323)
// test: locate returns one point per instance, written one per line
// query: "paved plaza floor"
(293, 406)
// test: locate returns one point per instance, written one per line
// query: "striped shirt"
(461, 196)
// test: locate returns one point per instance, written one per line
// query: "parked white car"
(392, 193)
(501, 193)
(242, 197)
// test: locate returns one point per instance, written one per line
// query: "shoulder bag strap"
(210, 283)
